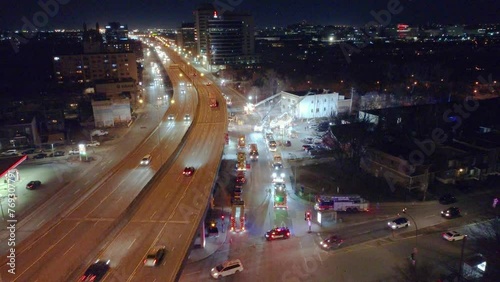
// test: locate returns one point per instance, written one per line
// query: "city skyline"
(67, 14)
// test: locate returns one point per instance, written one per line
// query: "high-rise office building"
(186, 37)
(202, 14)
(231, 39)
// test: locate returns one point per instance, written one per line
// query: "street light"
(415, 250)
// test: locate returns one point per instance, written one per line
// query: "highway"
(54, 254)
(172, 210)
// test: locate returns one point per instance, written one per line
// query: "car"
(29, 151)
(74, 152)
(93, 144)
(280, 186)
(208, 84)
(399, 223)
(170, 117)
(146, 160)
(183, 91)
(96, 271)
(333, 241)
(451, 212)
(277, 233)
(11, 152)
(307, 146)
(258, 128)
(155, 257)
(99, 132)
(181, 84)
(187, 117)
(226, 268)
(447, 199)
(40, 156)
(32, 185)
(188, 171)
(453, 236)
(288, 143)
(58, 153)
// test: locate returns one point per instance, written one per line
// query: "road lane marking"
(69, 249)
(40, 223)
(131, 244)
(151, 217)
(76, 191)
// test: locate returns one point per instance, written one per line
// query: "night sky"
(170, 13)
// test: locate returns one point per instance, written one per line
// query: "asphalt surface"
(54, 252)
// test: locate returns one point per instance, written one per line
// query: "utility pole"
(461, 266)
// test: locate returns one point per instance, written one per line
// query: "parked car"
(226, 268)
(99, 132)
(96, 271)
(29, 151)
(32, 185)
(451, 212)
(58, 153)
(399, 223)
(447, 199)
(155, 257)
(453, 236)
(93, 143)
(40, 156)
(11, 152)
(74, 152)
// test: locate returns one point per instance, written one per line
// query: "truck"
(280, 197)
(241, 161)
(348, 203)
(212, 101)
(241, 142)
(237, 219)
(254, 152)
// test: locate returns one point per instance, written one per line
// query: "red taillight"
(288, 234)
(145, 261)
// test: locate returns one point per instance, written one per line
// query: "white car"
(453, 236)
(99, 132)
(12, 152)
(146, 160)
(226, 268)
(74, 152)
(278, 177)
(93, 144)
(399, 223)
(258, 128)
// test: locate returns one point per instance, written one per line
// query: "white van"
(226, 268)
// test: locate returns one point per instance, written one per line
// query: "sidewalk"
(212, 244)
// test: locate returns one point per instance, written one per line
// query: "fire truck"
(279, 196)
(238, 216)
(241, 163)
(241, 142)
(349, 203)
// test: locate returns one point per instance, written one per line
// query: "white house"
(315, 103)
